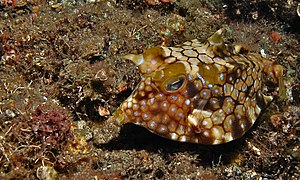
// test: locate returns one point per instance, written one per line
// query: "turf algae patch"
(51, 126)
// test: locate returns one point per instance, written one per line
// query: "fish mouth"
(119, 117)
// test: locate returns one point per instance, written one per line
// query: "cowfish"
(202, 91)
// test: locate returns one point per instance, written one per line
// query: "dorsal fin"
(217, 45)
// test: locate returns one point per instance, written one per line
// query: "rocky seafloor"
(62, 77)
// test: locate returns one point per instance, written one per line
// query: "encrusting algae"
(206, 92)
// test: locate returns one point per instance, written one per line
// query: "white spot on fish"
(201, 78)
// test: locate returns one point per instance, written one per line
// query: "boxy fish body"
(205, 92)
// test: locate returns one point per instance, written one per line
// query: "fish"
(202, 91)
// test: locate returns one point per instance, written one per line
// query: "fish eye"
(175, 84)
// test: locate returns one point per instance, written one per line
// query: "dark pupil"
(173, 86)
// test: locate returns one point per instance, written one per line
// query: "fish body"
(205, 92)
